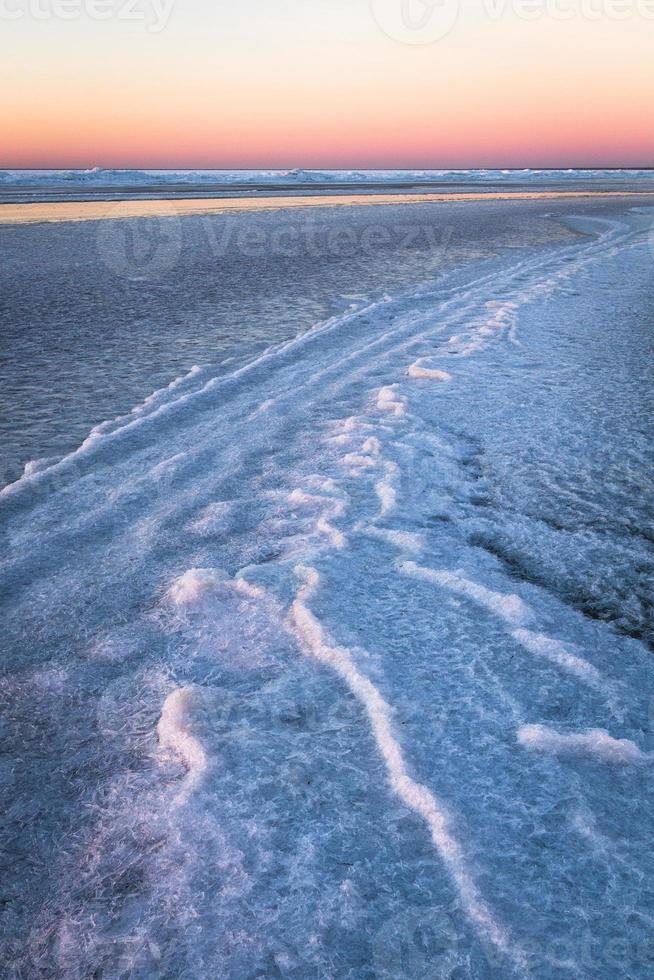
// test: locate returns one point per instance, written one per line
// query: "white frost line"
(175, 736)
(179, 715)
(507, 606)
(385, 488)
(317, 643)
(188, 591)
(556, 653)
(372, 446)
(513, 611)
(416, 370)
(358, 461)
(406, 541)
(595, 744)
(334, 506)
(335, 537)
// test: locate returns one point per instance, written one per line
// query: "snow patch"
(175, 731)
(417, 370)
(389, 401)
(191, 587)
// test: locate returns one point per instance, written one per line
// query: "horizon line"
(329, 169)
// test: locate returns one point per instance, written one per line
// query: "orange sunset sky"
(344, 83)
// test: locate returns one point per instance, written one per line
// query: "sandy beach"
(20, 214)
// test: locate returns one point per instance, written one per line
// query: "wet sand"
(20, 214)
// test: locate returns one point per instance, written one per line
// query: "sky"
(326, 83)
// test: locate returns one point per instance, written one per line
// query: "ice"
(316, 669)
(508, 607)
(175, 735)
(104, 177)
(418, 370)
(596, 744)
(389, 401)
(417, 797)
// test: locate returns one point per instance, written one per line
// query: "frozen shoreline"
(328, 657)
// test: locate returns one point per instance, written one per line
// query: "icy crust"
(104, 177)
(509, 608)
(421, 370)
(287, 712)
(175, 733)
(318, 644)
